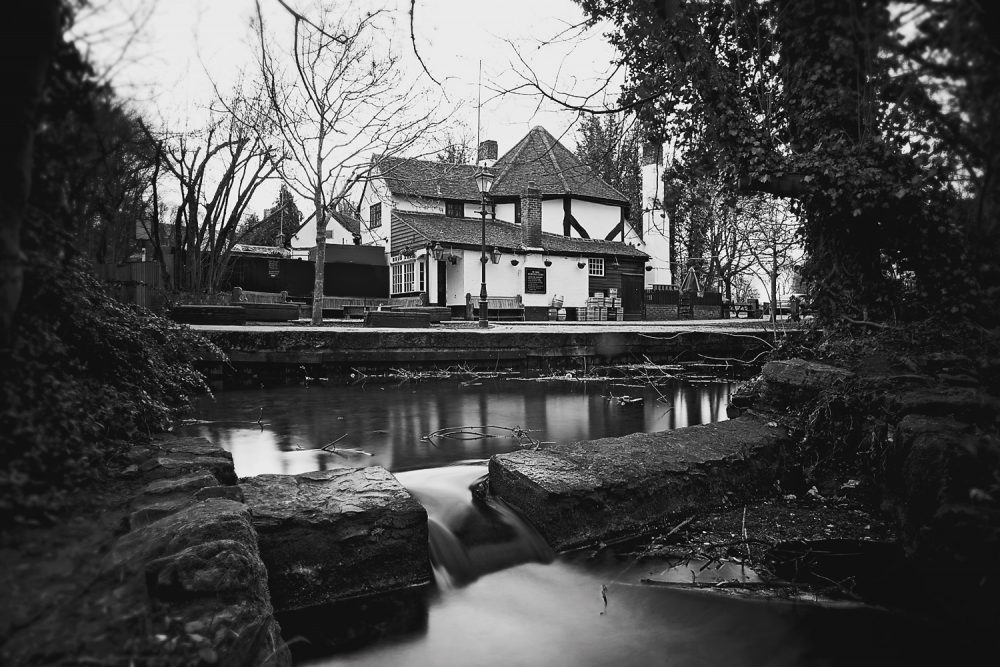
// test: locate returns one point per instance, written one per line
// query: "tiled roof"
(348, 222)
(427, 178)
(539, 157)
(434, 227)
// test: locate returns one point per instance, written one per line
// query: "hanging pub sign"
(534, 280)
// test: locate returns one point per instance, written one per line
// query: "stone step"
(585, 492)
(336, 534)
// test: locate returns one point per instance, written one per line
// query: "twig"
(331, 444)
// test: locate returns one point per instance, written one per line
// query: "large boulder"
(584, 492)
(793, 381)
(330, 535)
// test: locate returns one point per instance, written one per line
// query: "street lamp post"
(484, 181)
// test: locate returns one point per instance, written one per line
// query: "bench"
(497, 307)
(208, 314)
(265, 306)
(437, 314)
(752, 309)
(397, 319)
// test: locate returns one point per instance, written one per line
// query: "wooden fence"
(139, 283)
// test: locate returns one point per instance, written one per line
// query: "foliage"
(85, 377)
(877, 118)
(283, 218)
(611, 149)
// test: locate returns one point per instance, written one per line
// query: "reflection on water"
(389, 421)
(502, 599)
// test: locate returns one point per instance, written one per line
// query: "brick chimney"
(487, 153)
(531, 216)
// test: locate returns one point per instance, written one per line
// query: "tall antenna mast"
(479, 110)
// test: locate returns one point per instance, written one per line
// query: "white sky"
(186, 44)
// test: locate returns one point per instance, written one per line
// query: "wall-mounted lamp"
(438, 252)
(495, 255)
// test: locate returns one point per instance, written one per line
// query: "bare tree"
(217, 172)
(772, 238)
(339, 101)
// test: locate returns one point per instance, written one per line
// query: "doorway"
(632, 295)
(442, 283)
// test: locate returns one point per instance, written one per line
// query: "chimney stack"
(487, 153)
(531, 216)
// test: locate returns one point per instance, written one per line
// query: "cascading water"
(469, 537)
(502, 598)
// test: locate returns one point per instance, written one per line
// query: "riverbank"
(289, 353)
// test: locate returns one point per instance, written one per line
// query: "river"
(501, 596)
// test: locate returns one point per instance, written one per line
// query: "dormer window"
(454, 208)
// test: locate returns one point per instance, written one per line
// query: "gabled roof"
(539, 157)
(348, 222)
(434, 227)
(428, 178)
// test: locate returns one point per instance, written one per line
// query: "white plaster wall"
(597, 219)
(419, 204)
(505, 212)
(552, 216)
(376, 192)
(472, 210)
(657, 246)
(563, 278)
(655, 226)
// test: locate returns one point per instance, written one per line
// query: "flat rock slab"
(330, 535)
(585, 492)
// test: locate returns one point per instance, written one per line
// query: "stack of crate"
(615, 311)
(597, 307)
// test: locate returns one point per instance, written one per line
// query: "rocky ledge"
(165, 572)
(589, 491)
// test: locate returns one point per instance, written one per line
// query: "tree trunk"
(774, 285)
(28, 44)
(317, 309)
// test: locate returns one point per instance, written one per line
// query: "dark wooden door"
(632, 295)
(442, 284)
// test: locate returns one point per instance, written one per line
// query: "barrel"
(561, 316)
(557, 301)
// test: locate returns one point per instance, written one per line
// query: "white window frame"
(595, 267)
(402, 278)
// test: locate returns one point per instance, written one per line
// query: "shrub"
(85, 377)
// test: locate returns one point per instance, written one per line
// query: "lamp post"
(484, 181)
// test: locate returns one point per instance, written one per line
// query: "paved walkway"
(660, 326)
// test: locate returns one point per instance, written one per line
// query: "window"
(375, 216)
(454, 209)
(402, 277)
(596, 267)
(421, 281)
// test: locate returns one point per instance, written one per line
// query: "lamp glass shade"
(495, 255)
(438, 252)
(484, 180)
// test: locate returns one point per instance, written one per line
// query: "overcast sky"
(187, 44)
